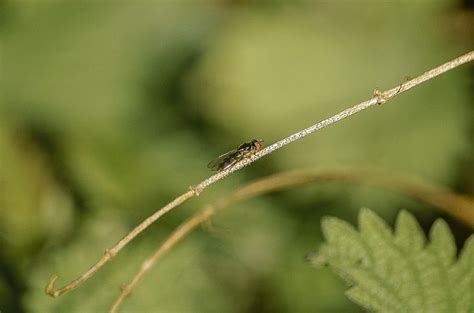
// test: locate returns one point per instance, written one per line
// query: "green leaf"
(442, 242)
(399, 271)
(372, 291)
(408, 234)
(350, 247)
(462, 277)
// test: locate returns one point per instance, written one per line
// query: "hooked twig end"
(50, 287)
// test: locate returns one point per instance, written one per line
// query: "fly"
(232, 157)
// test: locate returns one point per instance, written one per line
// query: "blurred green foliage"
(110, 109)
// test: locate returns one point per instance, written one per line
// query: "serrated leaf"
(373, 293)
(351, 247)
(403, 275)
(462, 276)
(378, 236)
(372, 227)
(408, 233)
(442, 242)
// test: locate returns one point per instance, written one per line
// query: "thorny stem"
(379, 98)
(459, 206)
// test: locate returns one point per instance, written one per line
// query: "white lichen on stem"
(378, 98)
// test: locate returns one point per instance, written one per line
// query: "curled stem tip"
(379, 98)
(50, 287)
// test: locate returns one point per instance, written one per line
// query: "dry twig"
(378, 98)
(458, 206)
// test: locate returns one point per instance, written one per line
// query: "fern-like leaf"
(399, 271)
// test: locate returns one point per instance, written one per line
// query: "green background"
(109, 109)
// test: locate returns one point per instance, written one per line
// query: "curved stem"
(378, 98)
(458, 206)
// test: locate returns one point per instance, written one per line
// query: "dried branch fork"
(458, 206)
(378, 98)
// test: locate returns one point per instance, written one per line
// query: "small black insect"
(230, 158)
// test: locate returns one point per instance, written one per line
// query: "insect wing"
(220, 162)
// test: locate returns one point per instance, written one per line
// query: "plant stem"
(459, 206)
(378, 98)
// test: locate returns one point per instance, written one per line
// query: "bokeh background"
(109, 109)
